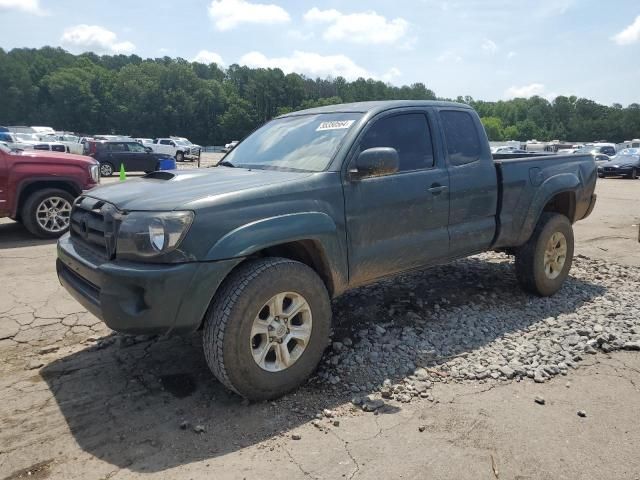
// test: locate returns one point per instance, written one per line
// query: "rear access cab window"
(461, 136)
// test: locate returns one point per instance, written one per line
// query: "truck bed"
(526, 183)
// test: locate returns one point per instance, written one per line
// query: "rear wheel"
(543, 263)
(267, 327)
(106, 169)
(46, 213)
(633, 175)
(179, 157)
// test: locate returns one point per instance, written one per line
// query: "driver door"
(398, 222)
(138, 158)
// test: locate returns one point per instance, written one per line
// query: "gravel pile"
(469, 321)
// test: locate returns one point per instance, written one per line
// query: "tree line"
(120, 94)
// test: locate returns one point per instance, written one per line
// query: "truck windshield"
(305, 143)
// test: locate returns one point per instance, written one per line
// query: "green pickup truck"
(310, 205)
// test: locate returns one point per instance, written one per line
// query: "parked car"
(12, 141)
(507, 149)
(38, 188)
(174, 148)
(253, 250)
(41, 143)
(625, 164)
(230, 146)
(35, 130)
(194, 149)
(112, 154)
(72, 142)
(607, 149)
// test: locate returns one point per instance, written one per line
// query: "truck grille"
(94, 224)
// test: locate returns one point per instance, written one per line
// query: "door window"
(117, 147)
(409, 134)
(461, 135)
(136, 147)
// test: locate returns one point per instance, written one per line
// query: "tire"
(600, 175)
(228, 340)
(106, 169)
(531, 271)
(633, 175)
(179, 157)
(39, 204)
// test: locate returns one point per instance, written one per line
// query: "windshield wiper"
(226, 163)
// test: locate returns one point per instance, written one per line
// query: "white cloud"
(511, 54)
(367, 28)
(629, 35)
(317, 15)
(489, 46)
(392, 73)
(228, 14)
(311, 64)
(25, 6)
(300, 36)
(449, 56)
(95, 38)
(525, 91)
(206, 56)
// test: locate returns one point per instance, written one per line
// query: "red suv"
(38, 188)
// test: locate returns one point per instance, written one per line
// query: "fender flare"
(561, 183)
(269, 232)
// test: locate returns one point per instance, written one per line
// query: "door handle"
(436, 189)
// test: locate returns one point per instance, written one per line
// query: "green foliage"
(494, 128)
(95, 94)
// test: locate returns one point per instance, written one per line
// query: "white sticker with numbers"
(335, 125)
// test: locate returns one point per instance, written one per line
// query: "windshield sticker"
(336, 125)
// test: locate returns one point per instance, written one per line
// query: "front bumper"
(140, 298)
(618, 172)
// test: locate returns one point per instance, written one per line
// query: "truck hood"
(175, 189)
(57, 157)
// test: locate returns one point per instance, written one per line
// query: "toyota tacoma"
(312, 204)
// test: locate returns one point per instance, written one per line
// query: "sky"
(488, 49)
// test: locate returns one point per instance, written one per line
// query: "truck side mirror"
(375, 162)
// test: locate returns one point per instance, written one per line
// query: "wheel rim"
(555, 255)
(53, 214)
(106, 170)
(281, 331)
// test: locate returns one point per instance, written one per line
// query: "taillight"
(93, 148)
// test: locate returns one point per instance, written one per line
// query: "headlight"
(145, 235)
(94, 171)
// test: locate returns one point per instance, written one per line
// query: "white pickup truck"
(73, 143)
(43, 142)
(177, 147)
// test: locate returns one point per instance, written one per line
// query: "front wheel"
(179, 157)
(267, 327)
(47, 213)
(543, 263)
(106, 169)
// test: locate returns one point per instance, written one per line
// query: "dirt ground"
(79, 403)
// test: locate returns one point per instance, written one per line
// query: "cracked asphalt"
(78, 402)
